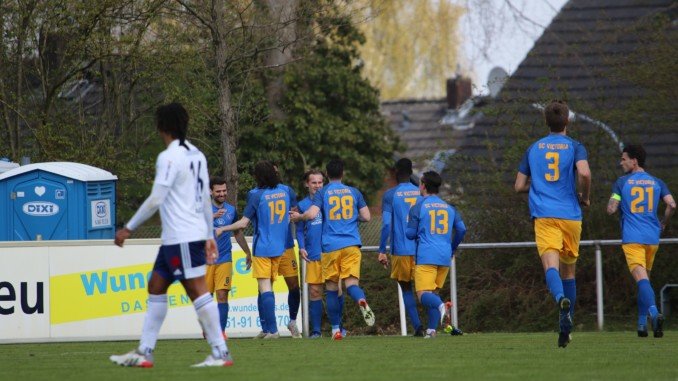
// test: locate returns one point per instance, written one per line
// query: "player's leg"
(265, 270)
(289, 270)
(640, 259)
(549, 239)
(350, 276)
(426, 283)
(315, 280)
(330, 270)
(402, 270)
(224, 276)
(193, 280)
(156, 310)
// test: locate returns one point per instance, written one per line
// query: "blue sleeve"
(413, 223)
(386, 212)
(360, 200)
(318, 198)
(580, 153)
(524, 166)
(252, 204)
(617, 187)
(459, 231)
(663, 189)
(300, 229)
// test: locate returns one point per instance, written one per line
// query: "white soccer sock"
(441, 308)
(208, 315)
(155, 315)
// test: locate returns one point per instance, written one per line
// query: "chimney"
(458, 91)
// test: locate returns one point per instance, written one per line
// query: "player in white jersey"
(181, 193)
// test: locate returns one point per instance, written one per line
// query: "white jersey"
(184, 172)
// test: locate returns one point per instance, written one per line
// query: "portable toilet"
(57, 200)
(6, 165)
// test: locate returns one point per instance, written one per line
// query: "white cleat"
(211, 361)
(133, 359)
(260, 335)
(368, 315)
(270, 336)
(292, 326)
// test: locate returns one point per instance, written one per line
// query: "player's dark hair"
(636, 151)
(173, 119)
(335, 169)
(265, 175)
(310, 172)
(556, 115)
(216, 180)
(403, 170)
(431, 181)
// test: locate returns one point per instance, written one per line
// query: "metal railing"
(495, 245)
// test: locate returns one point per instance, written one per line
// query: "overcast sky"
(501, 33)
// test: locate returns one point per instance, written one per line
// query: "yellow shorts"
(265, 267)
(639, 255)
(314, 272)
(288, 264)
(341, 264)
(429, 277)
(219, 276)
(559, 235)
(402, 268)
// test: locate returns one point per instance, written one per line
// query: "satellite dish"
(496, 80)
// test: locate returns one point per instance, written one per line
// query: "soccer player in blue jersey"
(342, 207)
(429, 224)
(396, 204)
(267, 209)
(288, 269)
(180, 193)
(220, 274)
(638, 193)
(550, 171)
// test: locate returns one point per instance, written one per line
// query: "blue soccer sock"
(570, 291)
(646, 294)
(432, 302)
(262, 315)
(411, 308)
(642, 311)
(315, 309)
(355, 292)
(268, 302)
(333, 309)
(223, 315)
(554, 283)
(293, 300)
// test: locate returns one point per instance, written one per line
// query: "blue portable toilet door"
(40, 210)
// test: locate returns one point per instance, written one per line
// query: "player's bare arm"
(612, 206)
(584, 180)
(383, 259)
(310, 214)
(238, 225)
(670, 209)
(242, 242)
(121, 235)
(522, 184)
(211, 252)
(364, 214)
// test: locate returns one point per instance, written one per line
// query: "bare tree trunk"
(4, 107)
(282, 13)
(226, 116)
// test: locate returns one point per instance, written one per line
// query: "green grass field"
(503, 356)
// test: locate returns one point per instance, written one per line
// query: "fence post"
(401, 306)
(453, 292)
(599, 285)
(304, 305)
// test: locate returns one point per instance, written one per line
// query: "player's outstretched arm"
(238, 225)
(584, 180)
(670, 210)
(242, 242)
(310, 214)
(146, 210)
(522, 184)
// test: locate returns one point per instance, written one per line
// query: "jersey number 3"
(554, 175)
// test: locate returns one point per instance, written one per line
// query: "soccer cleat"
(454, 331)
(272, 336)
(642, 330)
(344, 332)
(315, 335)
(337, 336)
(564, 336)
(368, 315)
(210, 361)
(292, 326)
(134, 358)
(420, 332)
(658, 326)
(564, 339)
(260, 335)
(430, 334)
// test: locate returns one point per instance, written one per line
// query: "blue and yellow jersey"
(289, 241)
(396, 204)
(638, 195)
(429, 225)
(339, 205)
(309, 233)
(551, 164)
(224, 240)
(268, 210)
